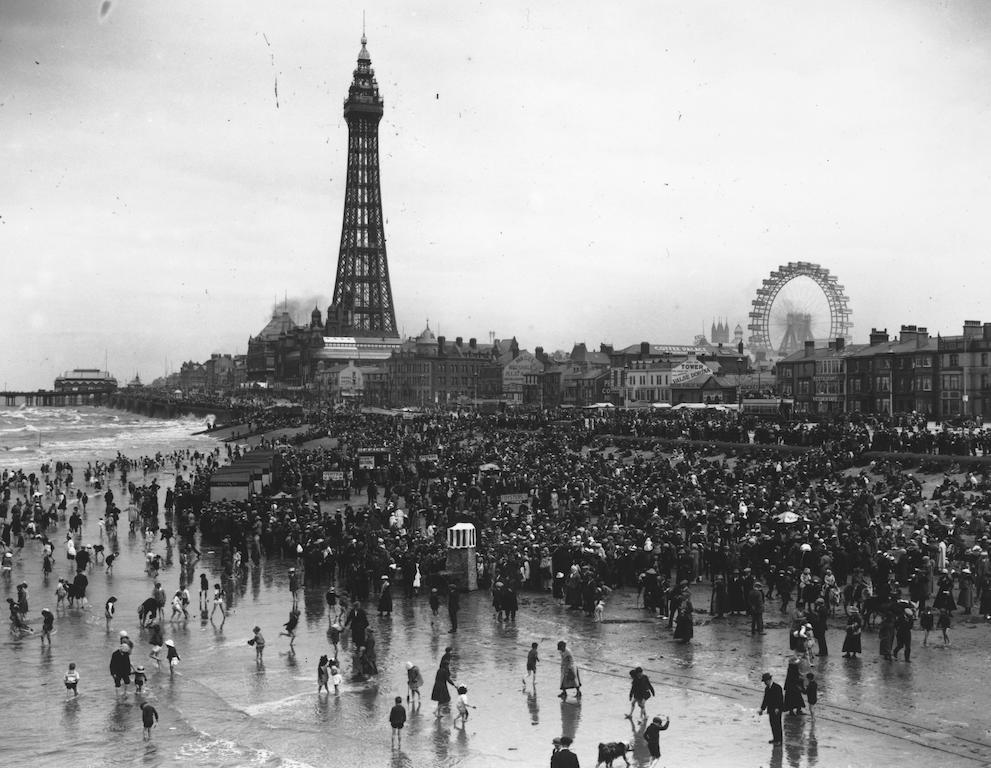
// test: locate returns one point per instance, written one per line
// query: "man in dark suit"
(774, 702)
(453, 606)
(756, 602)
(564, 757)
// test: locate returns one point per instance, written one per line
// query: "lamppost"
(739, 387)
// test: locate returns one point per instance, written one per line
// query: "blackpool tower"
(362, 289)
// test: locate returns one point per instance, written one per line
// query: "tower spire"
(362, 286)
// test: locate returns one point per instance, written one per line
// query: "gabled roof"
(894, 347)
(823, 353)
(662, 349)
(279, 324)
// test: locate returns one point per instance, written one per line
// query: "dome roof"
(426, 336)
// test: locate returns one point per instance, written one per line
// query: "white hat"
(123, 633)
(170, 643)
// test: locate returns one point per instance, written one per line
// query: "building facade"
(965, 372)
(429, 370)
(882, 377)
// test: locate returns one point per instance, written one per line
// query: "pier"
(52, 398)
(155, 406)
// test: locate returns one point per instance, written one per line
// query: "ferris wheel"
(798, 302)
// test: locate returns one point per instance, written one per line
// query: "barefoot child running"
(531, 666)
(172, 657)
(462, 705)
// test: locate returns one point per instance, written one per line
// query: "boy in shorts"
(71, 679)
(149, 719)
(397, 719)
(652, 735)
(531, 666)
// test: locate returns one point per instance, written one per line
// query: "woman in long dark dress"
(440, 694)
(986, 596)
(385, 598)
(684, 630)
(366, 655)
(851, 643)
(719, 601)
(794, 702)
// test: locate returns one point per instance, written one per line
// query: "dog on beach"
(611, 751)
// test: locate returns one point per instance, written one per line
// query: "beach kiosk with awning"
(231, 483)
(462, 561)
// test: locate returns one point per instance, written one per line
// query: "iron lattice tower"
(362, 287)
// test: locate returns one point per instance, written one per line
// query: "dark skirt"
(385, 602)
(684, 629)
(793, 698)
(440, 694)
(851, 643)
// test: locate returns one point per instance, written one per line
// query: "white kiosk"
(462, 564)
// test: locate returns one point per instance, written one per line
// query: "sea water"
(31, 436)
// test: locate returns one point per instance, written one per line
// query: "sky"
(560, 172)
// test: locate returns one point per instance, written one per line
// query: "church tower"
(362, 291)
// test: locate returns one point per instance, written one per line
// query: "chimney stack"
(879, 337)
(810, 348)
(972, 329)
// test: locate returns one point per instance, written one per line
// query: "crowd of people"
(577, 506)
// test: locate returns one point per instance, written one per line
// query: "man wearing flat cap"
(564, 757)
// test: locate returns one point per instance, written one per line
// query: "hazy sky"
(559, 171)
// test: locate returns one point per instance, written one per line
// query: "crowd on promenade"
(557, 508)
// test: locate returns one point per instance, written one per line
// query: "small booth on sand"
(462, 562)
